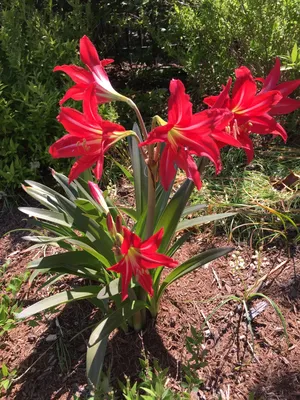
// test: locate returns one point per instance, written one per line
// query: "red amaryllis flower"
(89, 137)
(138, 258)
(187, 134)
(286, 104)
(250, 110)
(95, 74)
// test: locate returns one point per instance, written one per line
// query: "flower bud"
(119, 225)
(111, 225)
(96, 192)
(119, 239)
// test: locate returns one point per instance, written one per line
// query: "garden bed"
(49, 357)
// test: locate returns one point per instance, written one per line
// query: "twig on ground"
(217, 279)
(35, 362)
(257, 286)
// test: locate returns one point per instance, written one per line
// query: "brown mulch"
(50, 362)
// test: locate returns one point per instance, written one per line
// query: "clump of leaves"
(8, 303)
(6, 377)
(193, 344)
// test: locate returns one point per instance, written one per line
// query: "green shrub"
(210, 38)
(32, 42)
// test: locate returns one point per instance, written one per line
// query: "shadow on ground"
(279, 385)
(57, 368)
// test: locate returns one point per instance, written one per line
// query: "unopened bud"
(111, 225)
(119, 225)
(119, 239)
(96, 192)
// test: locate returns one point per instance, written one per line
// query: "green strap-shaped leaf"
(178, 243)
(139, 227)
(192, 209)
(125, 171)
(205, 219)
(49, 197)
(172, 213)
(276, 308)
(70, 189)
(59, 298)
(131, 212)
(139, 172)
(60, 230)
(41, 188)
(51, 216)
(71, 258)
(98, 339)
(41, 197)
(110, 290)
(162, 197)
(44, 239)
(192, 264)
(90, 250)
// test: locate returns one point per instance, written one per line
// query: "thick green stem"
(151, 203)
(139, 117)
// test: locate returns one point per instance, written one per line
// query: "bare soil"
(50, 357)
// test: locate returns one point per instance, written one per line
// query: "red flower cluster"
(230, 120)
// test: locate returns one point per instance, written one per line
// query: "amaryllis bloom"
(186, 134)
(89, 137)
(95, 74)
(138, 257)
(250, 110)
(286, 104)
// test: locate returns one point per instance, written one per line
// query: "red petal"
(158, 134)
(72, 146)
(248, 147)
(88, 53)
(154, 260)
(99, 166)
(90, 104)
(167, 169)
(244, 89)
(130, 240)
(106, 61)
(223, 98)
(266, 124)
(80, 166)
(145, 280)
(287, 88)
(125, 269)
(153, 243)
(202, 145)
(285, 106)
(210, 100)
(75, 92)
(261, 104)
(271, 80)
(78, 74)
(207, 121)
(186, 162)
(226, 138)
(179, 105)
(76, 123)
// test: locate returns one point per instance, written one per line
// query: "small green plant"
(6, 377)
(250, 293)
(292, 59)
(197, 360)
(151, 385)
(8, 303)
